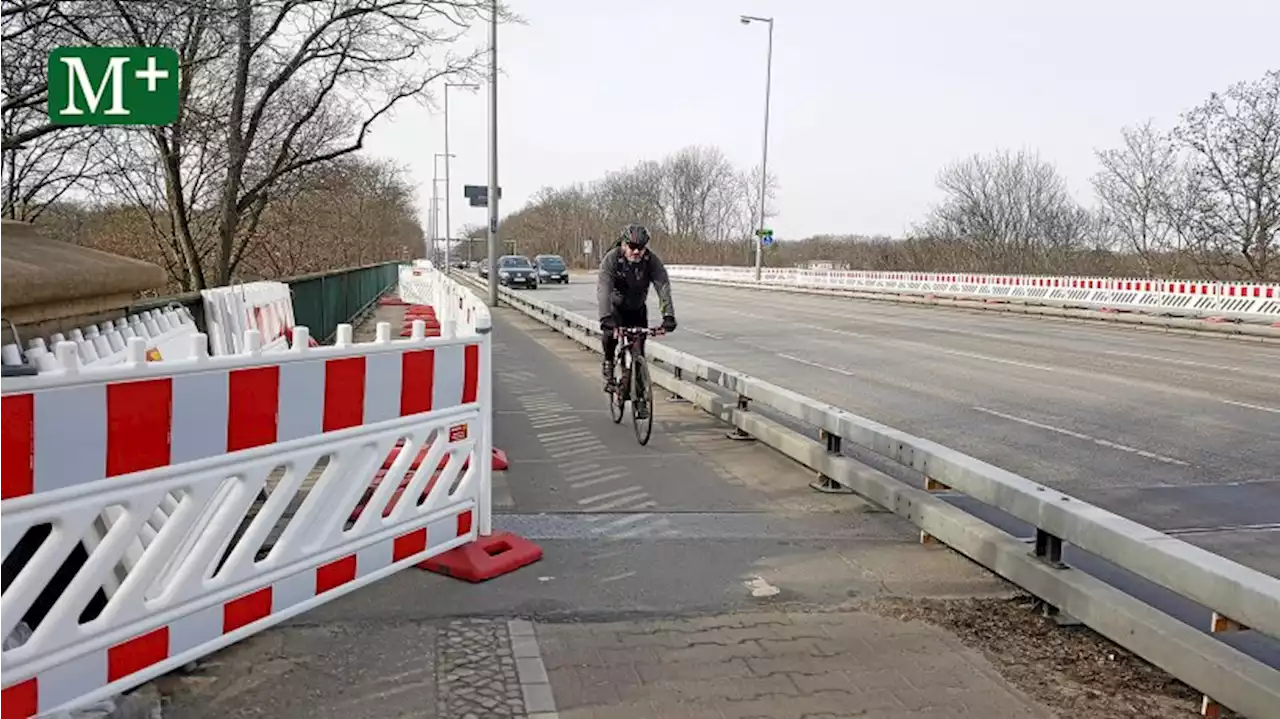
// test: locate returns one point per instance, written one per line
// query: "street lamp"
(764, 158)
(434, 214)
(448, 190)
(493, 161)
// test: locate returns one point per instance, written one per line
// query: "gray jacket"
(622, 285)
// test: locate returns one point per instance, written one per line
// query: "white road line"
(1087, 438)
(623, 521)
(561, 422)
(592, 447)
(1267, 527)
(630, 495)
(597, 480)
(543, 436)
(616, 577)
(1246, 405)
(607, 495)
(937, 350)
(704, 334)
(568, 442)
(837, 370)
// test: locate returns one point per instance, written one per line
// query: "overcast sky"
(870, 99)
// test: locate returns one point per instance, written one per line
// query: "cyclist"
(626, 271)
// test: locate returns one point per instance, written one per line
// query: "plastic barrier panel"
(156, 512)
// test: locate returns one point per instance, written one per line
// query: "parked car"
(517, 271)
(551, 268)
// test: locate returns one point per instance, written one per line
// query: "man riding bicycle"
(626, 271)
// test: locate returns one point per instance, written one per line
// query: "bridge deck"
(694, 577)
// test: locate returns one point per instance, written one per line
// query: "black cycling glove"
(669, 323)
(606, 324)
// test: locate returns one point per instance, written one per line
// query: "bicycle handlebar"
(635, 331)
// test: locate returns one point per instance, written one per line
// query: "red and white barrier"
(157, 470)
(166, 332)
(231, 311)
(455, 306)
(1237, 300)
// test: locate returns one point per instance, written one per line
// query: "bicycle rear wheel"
(617, 405)
(642, 402)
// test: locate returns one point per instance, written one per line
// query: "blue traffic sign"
(766, 240)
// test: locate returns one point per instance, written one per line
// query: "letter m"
(78, 83)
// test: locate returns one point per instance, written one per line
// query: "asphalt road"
(1180, 433)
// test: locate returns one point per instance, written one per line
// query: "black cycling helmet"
(635, 235)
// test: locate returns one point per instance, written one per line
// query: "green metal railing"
(321, 301)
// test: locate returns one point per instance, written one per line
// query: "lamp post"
(448, 190)
(435, 205)
(493, 155)
(764, 157)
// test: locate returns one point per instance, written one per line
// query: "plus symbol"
(151, 74)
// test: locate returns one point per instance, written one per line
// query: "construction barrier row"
(166, 333)
(154, 512)
(1233, 300)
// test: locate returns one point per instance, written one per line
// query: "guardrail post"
(823, 483)
(1218, 623)
(1048, 549)
(679, 375)
(737, 433)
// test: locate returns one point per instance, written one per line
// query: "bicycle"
(631, 356)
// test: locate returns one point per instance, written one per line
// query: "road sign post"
(113, 86)
(766, 236)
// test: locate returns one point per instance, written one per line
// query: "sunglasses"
(633, 248)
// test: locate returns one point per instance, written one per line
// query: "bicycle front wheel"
(617, 405)
(642, 401)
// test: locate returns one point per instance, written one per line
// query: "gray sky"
(870, 99)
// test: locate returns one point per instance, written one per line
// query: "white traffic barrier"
(455, 305)
(166, 332)
(157, 469)
(1254, 302)
(1238, 596)
(231, 311)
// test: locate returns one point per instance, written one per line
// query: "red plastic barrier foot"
(499, 459)
(485, 558)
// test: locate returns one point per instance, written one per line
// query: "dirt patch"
(1073, 670)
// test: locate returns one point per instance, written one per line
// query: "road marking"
(578, 475)
(623, 521)
(1246, 405)
(607, 495)
(1265, 527)
(1100, 442)
(644, 528)
(616, 577)
(634, 493)
(704, 334)
(581, 431)
(592, 447)
(837, 370)
(760, 589)
(553, 421)
(598, 480)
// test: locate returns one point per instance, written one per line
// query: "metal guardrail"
(1240, 597)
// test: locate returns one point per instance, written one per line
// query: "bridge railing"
(1253, 302)
(1237, 604)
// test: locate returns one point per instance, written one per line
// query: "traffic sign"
(766, 240)
(478, 194)
(759, 233)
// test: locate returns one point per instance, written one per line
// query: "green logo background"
(143, 102)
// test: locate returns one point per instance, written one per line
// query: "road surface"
(1180, 433)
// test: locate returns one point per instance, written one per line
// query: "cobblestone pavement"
(476, 672)
(777, 665)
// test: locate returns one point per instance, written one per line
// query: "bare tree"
(1012, 209)
(1234, 139)
(1138, 192)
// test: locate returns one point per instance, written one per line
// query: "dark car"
(517, 271)
(551, 268)
(484, 268)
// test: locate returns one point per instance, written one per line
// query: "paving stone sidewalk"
(778, 665)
